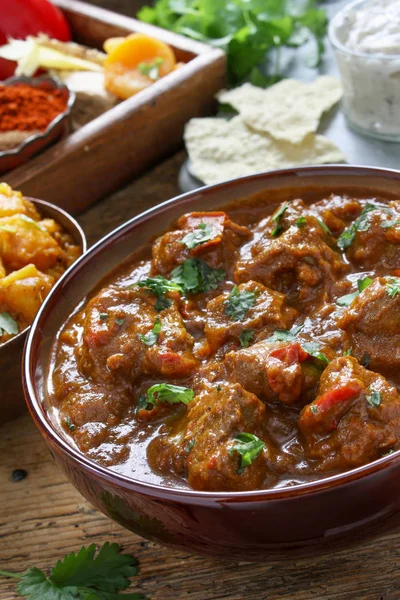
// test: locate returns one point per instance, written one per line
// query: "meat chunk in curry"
(247, 349)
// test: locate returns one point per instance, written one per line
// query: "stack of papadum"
(275, 128)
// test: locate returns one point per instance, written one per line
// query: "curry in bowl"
(34, 253)
(242, 351)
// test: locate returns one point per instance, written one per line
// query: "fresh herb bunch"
(82, 576)
(248, 30)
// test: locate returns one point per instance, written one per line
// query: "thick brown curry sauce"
(274, 348)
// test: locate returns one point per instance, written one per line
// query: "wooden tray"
(107, 152)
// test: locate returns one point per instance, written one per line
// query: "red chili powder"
(27, 108)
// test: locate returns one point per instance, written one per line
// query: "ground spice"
(27, 108)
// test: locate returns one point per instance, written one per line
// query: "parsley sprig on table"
(248, 30)
(82, 576)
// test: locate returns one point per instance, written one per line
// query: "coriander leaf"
(143, 403)
(36, 586)
(108, 571)
(162, 303)
(246, 337)
(280, 212)
(390, 223)
(69, 424)
(365, 361)
(374, 398)
(239, 303)
(103, 316)
(286, 335)
(120, 322)
(392, 287)
(360, 224)
(276, 232)
(204, 233)
(301, 221)
(8, 324)
(194, 276)
(151, 338)
(347, 300)
(324, 227)
(166, 392)
(313, 349)
(249, 447)
(159, 286)
(348, 352)
(151, 69)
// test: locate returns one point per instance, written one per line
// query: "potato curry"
(34, 253)
(249, 351)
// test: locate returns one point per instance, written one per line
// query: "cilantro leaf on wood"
(82, 576)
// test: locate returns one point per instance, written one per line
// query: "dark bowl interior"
(11, 159)
(302, 519)
(11, 394)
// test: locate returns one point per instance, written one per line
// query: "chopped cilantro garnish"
(286, 335)
(276, 232)
(393, 286)
(151, 338)
(313, 408)
(374, 398)
(120, 322)
(194, 276)
(190, 446)
(360, 224)
(204, 233)
(162, 303)
(219, 388)
(301, 221)
(249, 446)
(69, 424)
(324, 226)
(348, 352)
(313, 349)
(166, 392)
(143, 403)
(151, 69)
(239, 303)
(246, 337)
(81, 576)
(280, 212)
(103, 316)
(159, 286)
(390, 223)
(8, 324)
(365, 361)
(362, 284)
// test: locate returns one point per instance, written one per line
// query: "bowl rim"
(158, 491)
(35, 82)
(83, 243)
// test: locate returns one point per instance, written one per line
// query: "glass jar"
(371, 80)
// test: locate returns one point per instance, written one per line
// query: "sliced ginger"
(135, 62)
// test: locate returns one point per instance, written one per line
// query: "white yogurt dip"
(366, 39)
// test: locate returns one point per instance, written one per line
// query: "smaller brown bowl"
(12, 402)
(10, 159)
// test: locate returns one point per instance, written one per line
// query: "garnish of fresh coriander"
(362, 284)
(249, 32)
(374, 398)
(246, 337)
(159, 286)
(203, 233)
(82, 576)
(362, 223)
(301, 221)
(239, 303)
(194, 276)
(324, 226)
(8, 324)
(289, 335)
(151, 338)
(151, 69)
(276, 218)
(393, 286)
(249, 446)
(166, 392)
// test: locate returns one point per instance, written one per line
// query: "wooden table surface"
(43, 517)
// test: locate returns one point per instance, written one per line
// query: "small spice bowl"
(12, 402)
(35, 143)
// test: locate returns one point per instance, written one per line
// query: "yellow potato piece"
(12, 203)
(24, 241)
(23, 293)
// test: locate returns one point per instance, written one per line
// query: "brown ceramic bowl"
(11, 395)
(260, 525)
(37, 142)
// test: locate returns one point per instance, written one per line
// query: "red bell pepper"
(20, 18)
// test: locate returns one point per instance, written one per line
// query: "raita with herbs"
(244, 350)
